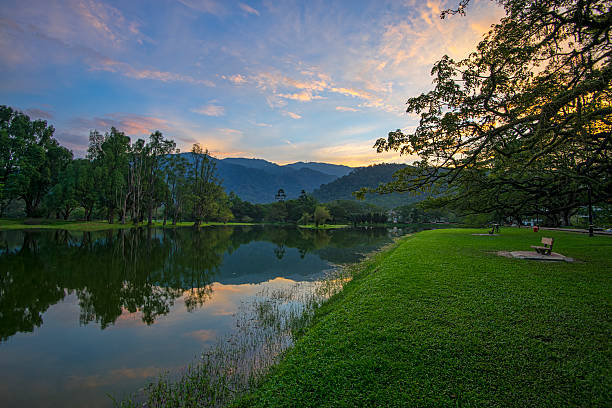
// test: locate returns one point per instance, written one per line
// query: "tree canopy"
(528, 114)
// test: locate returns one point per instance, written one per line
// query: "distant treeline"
(119, 180)
(138, 181)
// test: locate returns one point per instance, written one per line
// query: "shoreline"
(9, 224)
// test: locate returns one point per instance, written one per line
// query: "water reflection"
(145, 271)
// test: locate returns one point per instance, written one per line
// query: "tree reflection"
(137, 270)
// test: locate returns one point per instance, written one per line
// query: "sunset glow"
(283, 81)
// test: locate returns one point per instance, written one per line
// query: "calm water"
(86, 314)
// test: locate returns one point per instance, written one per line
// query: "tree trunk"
(566, 218)
(28, 207)
(150, 214)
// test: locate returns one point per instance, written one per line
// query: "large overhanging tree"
(528, 114)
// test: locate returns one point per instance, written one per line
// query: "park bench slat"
(547, 248)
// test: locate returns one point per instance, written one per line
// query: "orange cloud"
(236, 79)
(345, 109)
(304, 96)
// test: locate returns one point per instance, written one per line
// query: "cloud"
(110, 377)
(236, 79)
(36, 113)
(303, 96)
(206, 6)
(202, 335)
(125, 69)
(210, 110)
(346, 109)
(100, 17)
(91, 23)
(314, 85)
(292, 115)
(248, 9)
(130, 124)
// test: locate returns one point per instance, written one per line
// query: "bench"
(547, 248)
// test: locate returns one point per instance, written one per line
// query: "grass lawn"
(440, 320)
(324, 226)
(10, 224)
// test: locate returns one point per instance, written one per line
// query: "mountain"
(371, 176)
(258, 180)
(333, 169)
(337, 170)
(260, 164)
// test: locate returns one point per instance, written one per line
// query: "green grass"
(12, 224)
(441, 320)
(324, 226)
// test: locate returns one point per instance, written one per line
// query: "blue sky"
(279, 80)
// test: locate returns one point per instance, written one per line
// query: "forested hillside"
(371, 176)
(258, 181)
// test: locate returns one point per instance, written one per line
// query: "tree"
(280, 195)
(321, 215)
(30, 159)
(110, 156)
(530, 106)
(176, 178)
(157, 151)
(84, 185)
(205, 189)
(62, 199)
(304, 219)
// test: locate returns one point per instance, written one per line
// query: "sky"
(284, 81)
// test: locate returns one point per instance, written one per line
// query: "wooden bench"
(547, 248)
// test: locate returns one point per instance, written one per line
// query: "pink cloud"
(210, 110)
(131, 124)
(36, 113)
(125, 69)
(292, 115)
(206, 6)
(248, 9)
(202, 335)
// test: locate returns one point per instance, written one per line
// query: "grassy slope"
(8, 224)
(441, 321)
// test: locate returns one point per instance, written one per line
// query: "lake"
(85, 315)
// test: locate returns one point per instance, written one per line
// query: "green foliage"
(110, 154)
(321, 215)
(369, 177)
(30, 159)
(206, 196)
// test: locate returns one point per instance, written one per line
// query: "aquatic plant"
(266, 325)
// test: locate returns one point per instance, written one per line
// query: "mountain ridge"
(258, 180)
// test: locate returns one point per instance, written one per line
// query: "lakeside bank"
(442, 320)
(21, 224)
